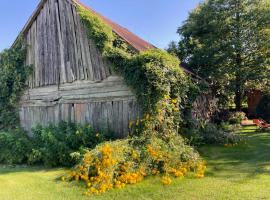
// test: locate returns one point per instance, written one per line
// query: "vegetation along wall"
(70, 79)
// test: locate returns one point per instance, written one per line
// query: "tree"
(228, 43)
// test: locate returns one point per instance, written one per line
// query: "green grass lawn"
(241, 172)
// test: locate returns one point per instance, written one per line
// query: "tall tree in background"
(228, 43)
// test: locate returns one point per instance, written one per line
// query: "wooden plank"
(115, 107)
(109, 108)
(73, 37)
(125, 119)
(63, 78)
(81, 46)
(41, 40)
(77, 40)
(45, 29)
(104, 118)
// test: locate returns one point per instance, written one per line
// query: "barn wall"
(108, 105)
(70, 80)
(59, 50)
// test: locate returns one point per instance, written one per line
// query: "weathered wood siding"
(59, 49)
(70, 80)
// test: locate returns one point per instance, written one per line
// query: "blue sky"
(154, 20)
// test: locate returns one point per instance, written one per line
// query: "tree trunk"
(238, 60)
(238, 93)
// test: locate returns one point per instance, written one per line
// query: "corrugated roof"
(135, 41)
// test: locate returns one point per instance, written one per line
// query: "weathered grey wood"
(63, 78)
(71, 81)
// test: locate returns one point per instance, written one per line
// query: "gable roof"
(136, 42)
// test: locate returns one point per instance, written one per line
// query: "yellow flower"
(174, 101)
(178, 174)
(166, 180)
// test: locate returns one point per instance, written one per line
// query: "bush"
(236, 117)
(15, 147)
(116, 164)
(263, 108)
(54, 145)
(232, 117)
(210, 133)
(13, 76)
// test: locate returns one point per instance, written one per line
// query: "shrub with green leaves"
(13, 76)
(15, 147)
(210, 133)
(53, 145)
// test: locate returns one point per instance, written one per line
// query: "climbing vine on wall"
(155, 76)
(13, 76)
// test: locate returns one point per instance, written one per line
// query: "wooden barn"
(70, 80)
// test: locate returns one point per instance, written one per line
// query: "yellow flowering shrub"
(119, 163)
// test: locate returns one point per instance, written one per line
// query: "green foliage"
(15, 147)
(210, 133)
(13, 76)
(227, 43)
(263, 108)
(160, 74)
(98, 30)
(54, 145)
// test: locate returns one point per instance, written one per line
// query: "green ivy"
(98, 30)
(13, 76)
(154, 75)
